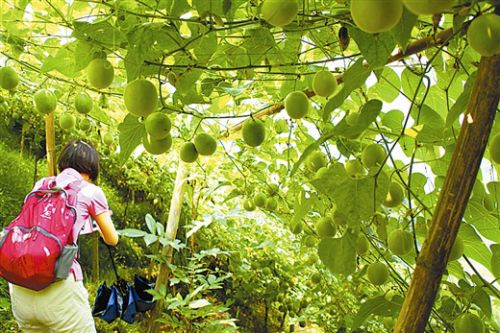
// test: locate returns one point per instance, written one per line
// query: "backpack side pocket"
(65, 261)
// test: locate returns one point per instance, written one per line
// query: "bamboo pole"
(50, 143)
(171, 233)
(453, 198)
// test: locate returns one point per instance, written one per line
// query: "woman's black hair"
(81, 156)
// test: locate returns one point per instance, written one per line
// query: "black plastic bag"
(129, 305)
(144, 299)
(108, 303)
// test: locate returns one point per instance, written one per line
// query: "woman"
(63, 306)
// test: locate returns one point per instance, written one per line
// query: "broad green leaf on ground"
(338, 254)
(474, 247)
(354, 77)
(131, 133)
(368, 114)
(376, 48)
(377, 306)
(358, 199)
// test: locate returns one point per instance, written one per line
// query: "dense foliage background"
(216, 63)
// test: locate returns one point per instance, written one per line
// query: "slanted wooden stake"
(50, 143)
(171, 232)
(453, 198)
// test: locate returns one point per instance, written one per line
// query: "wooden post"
(171, 233)
(453, 198)
(50, 143)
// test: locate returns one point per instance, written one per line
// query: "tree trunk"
(50, 140)
(453, 198)
(171, 233)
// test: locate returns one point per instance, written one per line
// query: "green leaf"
(495, 260)
(388, 85)
(409, 82)
(376, 48)
(101, 33)
(393, 120)
(83, 54)
(367, 115)
(485, 223)
(132, 233)
(150, 239)
(312, 147)
(258, 42)
(377, 306)
(482, 299)
(462, 102)
(63, 61)
(151, 223)
(131, 133)
(353, 197)
(402, 31)
(474, 247)
(302, 206)
(354, 77)
(338, 254)
(205, 48)
(199, 303)
(177, 7)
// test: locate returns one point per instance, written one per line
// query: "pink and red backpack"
(37, 247)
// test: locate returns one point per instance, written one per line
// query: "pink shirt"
(91, 201)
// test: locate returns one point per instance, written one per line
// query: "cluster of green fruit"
(372, 156)
(297, 103)
(263, 200)
(203, 144)
(8, 78)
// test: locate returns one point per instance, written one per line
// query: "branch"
(413, 48)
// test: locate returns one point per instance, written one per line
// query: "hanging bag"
(122, 299)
